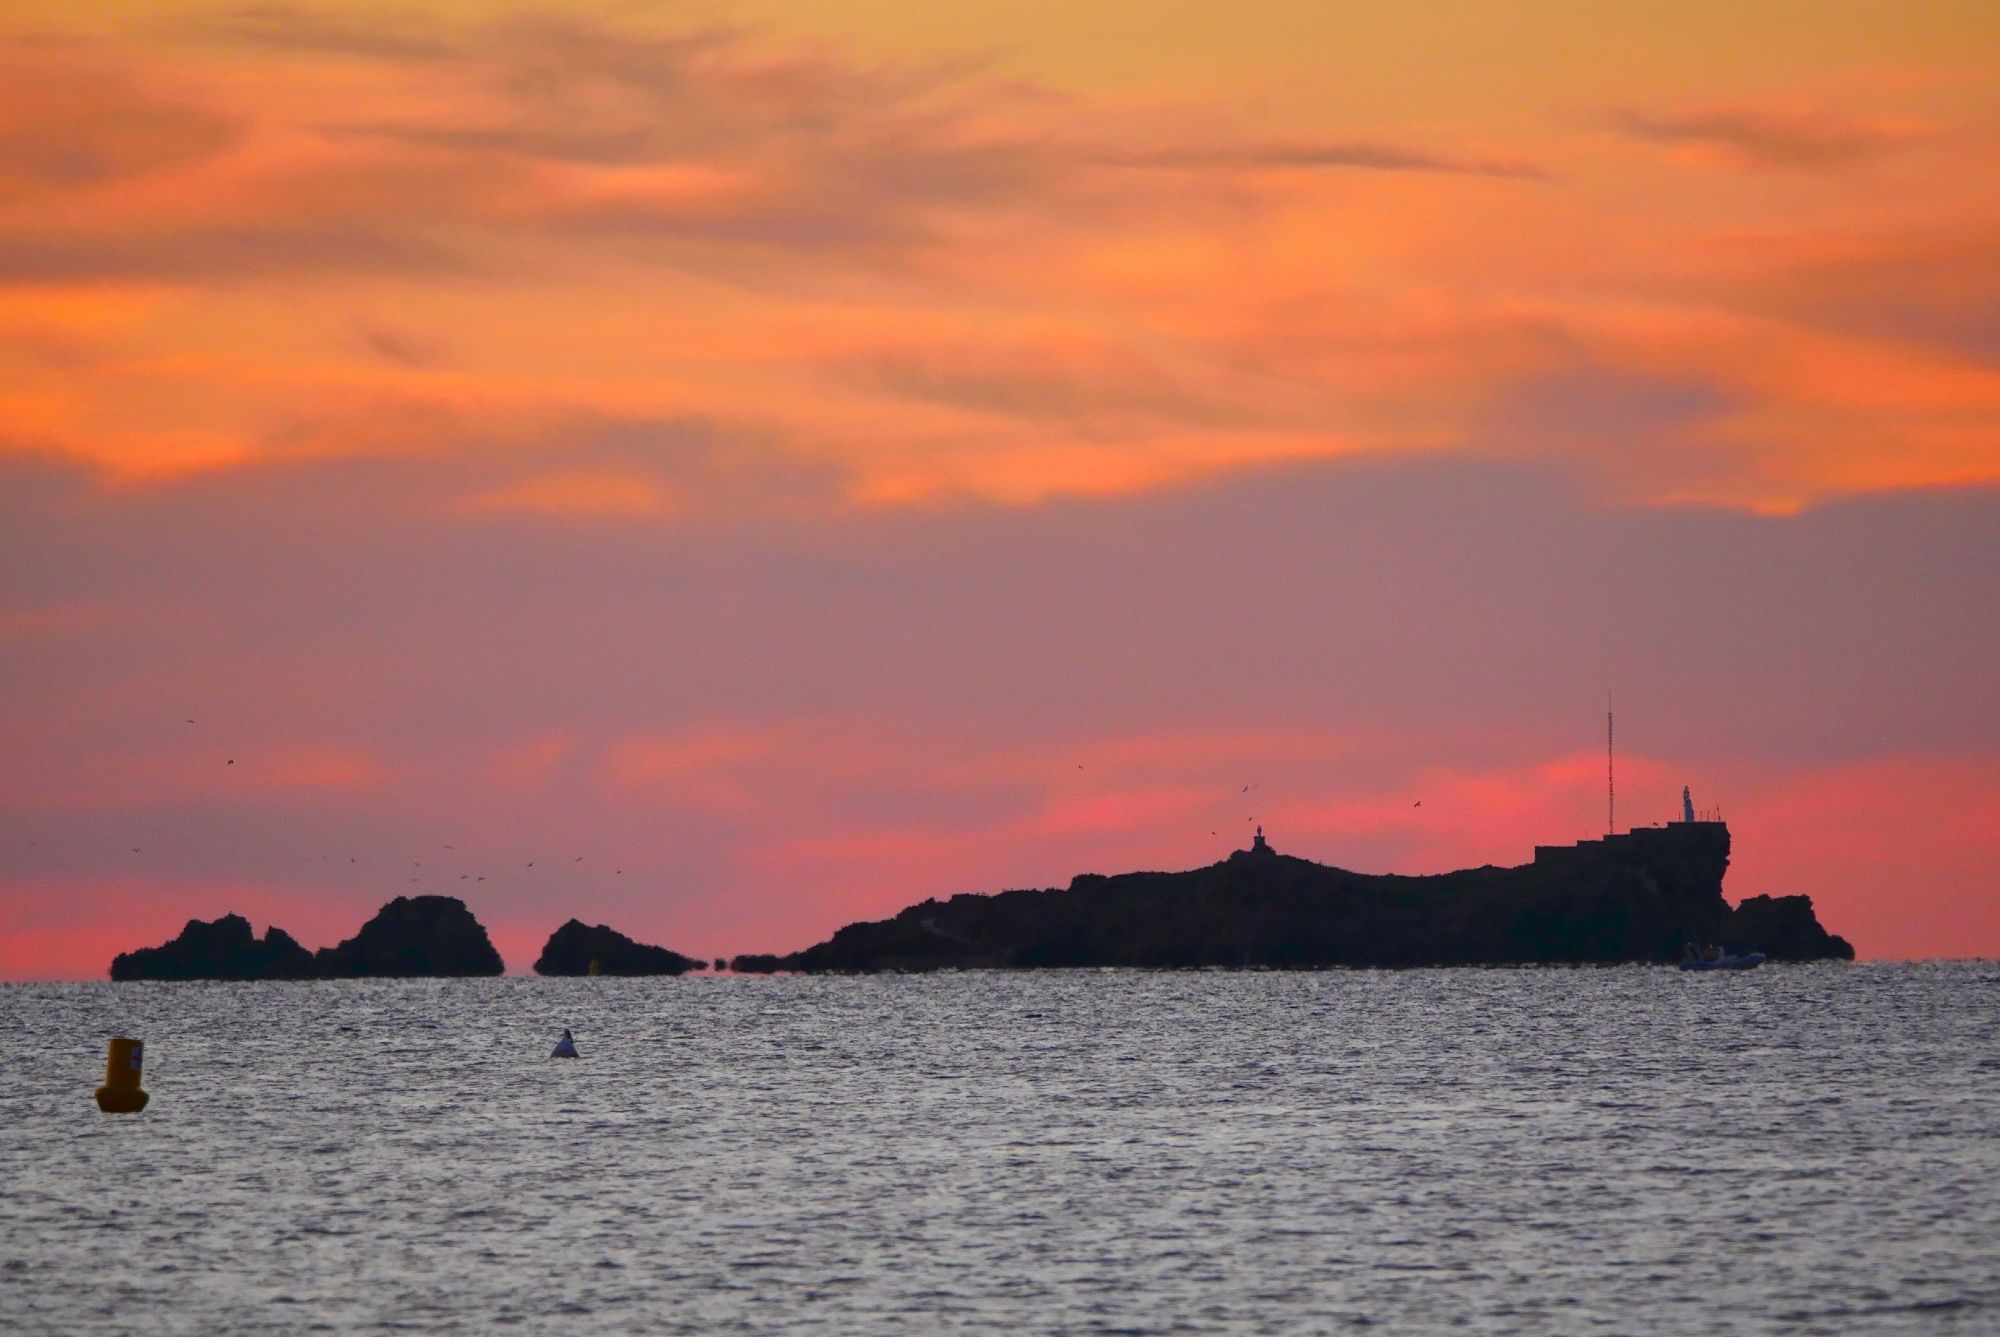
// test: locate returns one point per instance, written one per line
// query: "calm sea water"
(1634, 1150)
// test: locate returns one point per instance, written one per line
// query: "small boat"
(1749, 962)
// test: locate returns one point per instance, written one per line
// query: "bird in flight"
(1418, 804)
(232, 761)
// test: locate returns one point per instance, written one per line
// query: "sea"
(1628, 1150)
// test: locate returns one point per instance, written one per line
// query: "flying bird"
(1418, 804)
(232, 761)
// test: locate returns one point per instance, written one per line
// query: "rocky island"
(1635, 896)
(581, 949)
(221, 949)
(411, 935)
(414, 935)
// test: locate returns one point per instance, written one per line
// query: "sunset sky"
(768, 463)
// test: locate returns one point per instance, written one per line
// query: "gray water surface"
(1634, 1150)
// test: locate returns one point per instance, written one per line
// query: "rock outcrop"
(414, 935)
(220, 949)
(576, 947)
(1783, 928)
(1632, 897)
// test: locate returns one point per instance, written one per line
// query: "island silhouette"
(410, 936)
(1636, 896)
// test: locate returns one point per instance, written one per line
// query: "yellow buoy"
(120, 1093)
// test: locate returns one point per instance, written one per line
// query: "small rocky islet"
(578, 948)
(221, 949)
(1638, 896)
(410, 937)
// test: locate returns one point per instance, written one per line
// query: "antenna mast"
(1610, 774)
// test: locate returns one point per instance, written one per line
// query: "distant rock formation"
(221, 949)
(575, 947)
(414, 935)
(1632, 897)
(1783, 928)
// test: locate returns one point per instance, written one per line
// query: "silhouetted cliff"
(1783, 928)
(1632, 897)
(414, 935)
(222, 949)
(575, 947)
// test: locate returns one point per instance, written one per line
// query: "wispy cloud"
(294, 28)
(1307, 155)
(1767, 137)
(71, 117)
(929, 279)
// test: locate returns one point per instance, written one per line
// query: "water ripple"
(1492, 1151)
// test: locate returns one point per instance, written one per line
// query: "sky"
(726, 470)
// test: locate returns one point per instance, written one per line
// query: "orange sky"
(391, 385)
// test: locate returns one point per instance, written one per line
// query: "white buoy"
(565, 1047)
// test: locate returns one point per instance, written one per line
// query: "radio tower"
(1610, 774)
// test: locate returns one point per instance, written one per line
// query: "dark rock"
(762, 963)
(415, 935)
(721, 963)
(573, 948)
(1632, 897)
(222, 949)
(1783, 928)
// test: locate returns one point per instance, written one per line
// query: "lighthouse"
(1687, 805)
